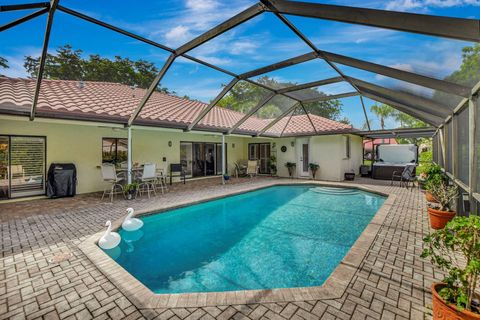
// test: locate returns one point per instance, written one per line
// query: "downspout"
(129, 155)
(223, 159)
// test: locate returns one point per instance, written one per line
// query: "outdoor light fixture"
(292, 144)
(466, 202)
(233, 145)
(169, 143)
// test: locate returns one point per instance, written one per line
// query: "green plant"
(131, 187)
(456, 249)
(434, 176)
(272, 163)
(314, 168)
(444, 194)
(290, 166)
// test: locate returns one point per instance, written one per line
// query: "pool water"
(277, 237)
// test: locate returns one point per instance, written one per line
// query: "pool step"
(335, 191)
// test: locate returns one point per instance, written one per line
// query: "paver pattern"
(43, 274)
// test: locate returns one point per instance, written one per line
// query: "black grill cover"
(61, 180)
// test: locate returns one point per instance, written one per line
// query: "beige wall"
(81, 143)
(327, 151)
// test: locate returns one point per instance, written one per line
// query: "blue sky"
(259, 42)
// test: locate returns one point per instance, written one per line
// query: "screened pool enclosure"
(450, 108)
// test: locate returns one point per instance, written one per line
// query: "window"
(261, 153)
(114, 150)
(252, 151)
(22, 166)
(347, 146)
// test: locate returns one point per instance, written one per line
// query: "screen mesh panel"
(477, 132)
(462, 146)
(449, 146)
(435, 148)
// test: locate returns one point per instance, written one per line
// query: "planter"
(438, 218)
(226, 178)
(430, 197)
(290, 172)
(444, 311)
(349, 176)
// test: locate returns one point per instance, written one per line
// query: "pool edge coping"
(333, 287)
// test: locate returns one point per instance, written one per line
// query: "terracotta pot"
(430, 197)
(444, 311)
(439, 218)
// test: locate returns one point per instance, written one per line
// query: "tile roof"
(114, 102)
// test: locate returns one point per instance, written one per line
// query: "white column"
(223, 159)
(129, 155)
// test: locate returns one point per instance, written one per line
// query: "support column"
(223, 159)
(129, 155)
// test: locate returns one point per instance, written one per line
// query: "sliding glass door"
(261, 153)
(22, 166)
(200, 159)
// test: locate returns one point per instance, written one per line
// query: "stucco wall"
(328, 151)
(81, 144)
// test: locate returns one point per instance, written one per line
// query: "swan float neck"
(130, 223)
(109, 239)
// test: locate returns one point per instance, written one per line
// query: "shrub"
(456, 249)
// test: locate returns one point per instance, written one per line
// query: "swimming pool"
(277, 237)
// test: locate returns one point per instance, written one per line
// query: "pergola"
(443, 117)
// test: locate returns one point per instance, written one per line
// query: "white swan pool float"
(110, 239)
(130, 223)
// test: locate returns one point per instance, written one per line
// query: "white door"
(302, 157)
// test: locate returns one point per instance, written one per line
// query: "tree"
(244, 96)
(68, 64)
(383, 112)
(3, 63)
(468, 74)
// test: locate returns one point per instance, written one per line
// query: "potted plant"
(433, 176)
(226, 176)
(440, 213)
(422, 179)
(272, 163)
(291, 168)
(313, 168)
(456, 250)
(131, 190)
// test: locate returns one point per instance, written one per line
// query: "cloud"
(16, 60)
(408, 5)
(177, 35)
(201, 5)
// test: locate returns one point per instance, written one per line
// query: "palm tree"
(383, 112)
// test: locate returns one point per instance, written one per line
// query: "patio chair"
(252, 168)
(109, 175)
(240, 169)
(161, 180)
(406, 176)
(148, 179)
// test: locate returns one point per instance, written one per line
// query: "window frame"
(116, 159)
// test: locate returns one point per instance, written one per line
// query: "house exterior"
(84, 123)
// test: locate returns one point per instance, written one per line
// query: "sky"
(259, 42)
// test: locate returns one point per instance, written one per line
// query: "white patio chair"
(148, 179)
(109, 175)
(252, 168)
(161, 181)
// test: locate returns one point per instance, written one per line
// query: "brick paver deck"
(43, 274)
